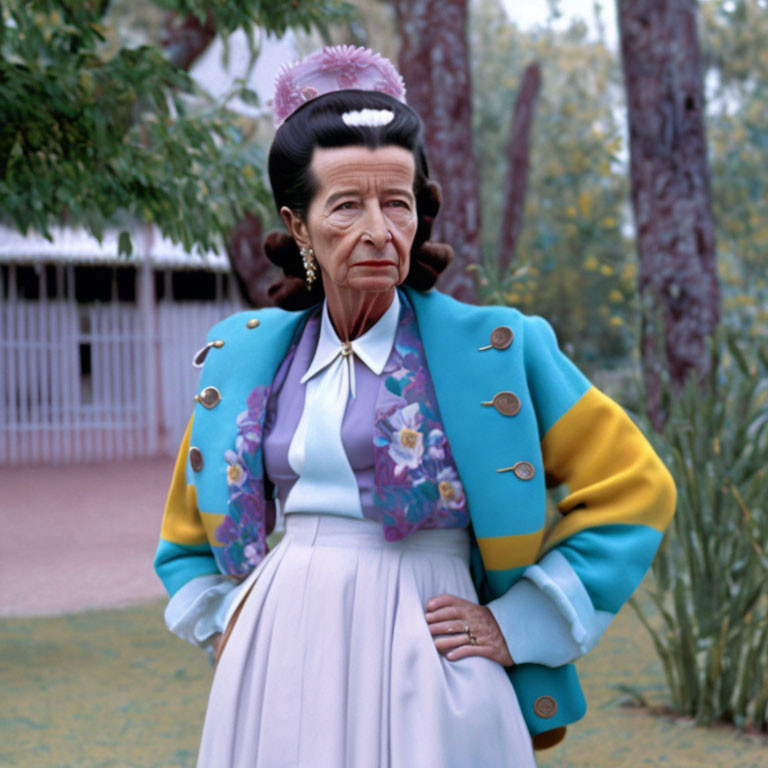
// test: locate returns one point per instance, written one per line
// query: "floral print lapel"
(243, 532)
(417, 484)
(250, 515)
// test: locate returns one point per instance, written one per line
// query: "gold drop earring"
(310, 265)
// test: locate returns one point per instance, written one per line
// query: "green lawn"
(114, 688)
(106, 688)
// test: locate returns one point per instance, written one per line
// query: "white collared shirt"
(372, 348)
(326, 482)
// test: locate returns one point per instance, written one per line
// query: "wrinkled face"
(362, 219)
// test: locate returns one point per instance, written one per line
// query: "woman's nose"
(376, 229)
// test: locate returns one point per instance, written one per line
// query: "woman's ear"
(296, 227)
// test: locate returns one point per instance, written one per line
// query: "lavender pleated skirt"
(331, 663)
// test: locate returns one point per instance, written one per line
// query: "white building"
(96, 350)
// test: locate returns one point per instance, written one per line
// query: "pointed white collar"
(373, 347)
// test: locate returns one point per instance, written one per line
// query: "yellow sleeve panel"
(182, 523)
(613, 474)
(211, 521)
(502, 552)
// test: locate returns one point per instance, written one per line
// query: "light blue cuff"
(547, 616)
(198, 610)
(535, 630)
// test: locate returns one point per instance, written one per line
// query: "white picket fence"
(138, 396)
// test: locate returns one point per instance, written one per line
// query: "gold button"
(501, 338)
(210, 397)
(545, 706)
(523, 469)
(196, 458)
(252, 323)
(200, 356)
(506, 403)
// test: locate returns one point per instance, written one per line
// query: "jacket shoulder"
(533, 330)
(248, 343)
(240, 324)
(434, 307)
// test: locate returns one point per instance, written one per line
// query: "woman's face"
(362, 219)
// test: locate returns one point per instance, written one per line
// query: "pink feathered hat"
(334, 68)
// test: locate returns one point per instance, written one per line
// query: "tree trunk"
(186, 38)
(434, 60)
(251, 268)
(678, 283)
(517, 165)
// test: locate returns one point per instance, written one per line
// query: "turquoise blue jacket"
(565, 431)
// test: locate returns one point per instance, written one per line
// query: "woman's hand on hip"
(455, 623)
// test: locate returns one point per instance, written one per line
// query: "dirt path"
(75, 538)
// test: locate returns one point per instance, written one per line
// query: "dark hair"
(319, 123)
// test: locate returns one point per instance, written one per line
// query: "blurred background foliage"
(737, 63)
(99, 127)
(710, 585)
(576, 260)
(574, 263)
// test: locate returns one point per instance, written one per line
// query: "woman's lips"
(375, 263)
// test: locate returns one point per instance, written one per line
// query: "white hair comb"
(368, 117)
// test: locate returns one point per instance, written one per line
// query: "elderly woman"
(416, 612)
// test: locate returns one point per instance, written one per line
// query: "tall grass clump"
(710, 585)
